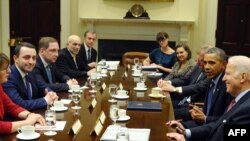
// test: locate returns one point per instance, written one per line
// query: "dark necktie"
(89, 56)
(48, 71)
(231, 105)
(210, 97)
(28, 88)
(74, 58)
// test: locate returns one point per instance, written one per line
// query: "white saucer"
(136, 74)
(121, 96)
(124, 118)
(156, 95)
(140, 89)
(70, 91)
(22, 137)
(84, 87)
(64, 108)
(111, 69)
(155, 74)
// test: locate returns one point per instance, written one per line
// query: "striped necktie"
(48, 71)
(28, 87)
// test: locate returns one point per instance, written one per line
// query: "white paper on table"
(65, 101)
(58, 127)
(135, 134)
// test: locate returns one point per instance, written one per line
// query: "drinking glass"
(143, 77)
(112, 92)
(76, 97)
(122, 134)
(50, 119)
(104, 62)
(136, 61)
(93, 83)
(113, 113)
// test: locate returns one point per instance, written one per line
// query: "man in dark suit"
(22, 86)
(45, 69)
(188, 89)
(70, 62)
(87, 51)
(237, 79)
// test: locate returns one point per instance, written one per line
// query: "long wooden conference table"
(153, 120)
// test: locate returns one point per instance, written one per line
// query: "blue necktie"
(89, 56)
(28, 88)
(210, 97)
(48, 71)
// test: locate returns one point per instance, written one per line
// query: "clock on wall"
(136, 12)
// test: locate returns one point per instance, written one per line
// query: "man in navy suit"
(87, 51)
(237, 79)
(188, 89)
(70, 62)
(45, 69)
(22, 86)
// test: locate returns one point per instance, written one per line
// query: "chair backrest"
(128, 57)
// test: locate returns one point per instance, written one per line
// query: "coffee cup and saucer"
(76, 88)
(140, 86)
(122, 115)
(58, 106)
(136, 73)
(27, 132)
(155, 93)
(121, 94)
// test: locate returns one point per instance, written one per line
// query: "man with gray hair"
(237, 79)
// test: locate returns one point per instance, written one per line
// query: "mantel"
(95, 20)
(139, 29)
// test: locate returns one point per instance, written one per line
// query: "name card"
(75, 127)
(102, 117)
(104, 86)
(93, 103)
(120, 86)
(97, 128)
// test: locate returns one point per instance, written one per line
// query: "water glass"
(112, 92)
(93, 83)
(136, 61)
(50, 119)
(76, 97)
(114, 113)
(122, 134)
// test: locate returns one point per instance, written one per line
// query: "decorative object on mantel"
(137, 12)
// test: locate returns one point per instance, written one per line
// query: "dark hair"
(161, 36)
(219, 52)
(23, 44)
(4, 59)
(89, 31)
(44, 42)
(186, 48)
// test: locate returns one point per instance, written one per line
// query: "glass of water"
(76, 97)
(122, 134)
(112, 92)
(50, 119)
(136, 61)
(113, 113)
(93, 83)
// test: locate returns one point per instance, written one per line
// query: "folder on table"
(141, 105)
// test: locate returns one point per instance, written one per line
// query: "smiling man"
(22, 86)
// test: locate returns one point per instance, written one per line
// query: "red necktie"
(231, 105)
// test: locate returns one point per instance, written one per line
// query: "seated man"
(188, 89)
(237, 79)
(87, 51)
(8, 108)
(22, 86)
(45, 69)
(69, 62)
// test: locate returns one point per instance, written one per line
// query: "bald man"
(69, 61)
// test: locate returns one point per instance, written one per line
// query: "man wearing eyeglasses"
(69, 60)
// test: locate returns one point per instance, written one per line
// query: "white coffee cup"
(156, 90)
(26, 130)
(140, 85)
(58, 104)
(122, 113)
(122, 92)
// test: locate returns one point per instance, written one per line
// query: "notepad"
(141, 105)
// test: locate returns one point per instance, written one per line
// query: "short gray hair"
(241, 64)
